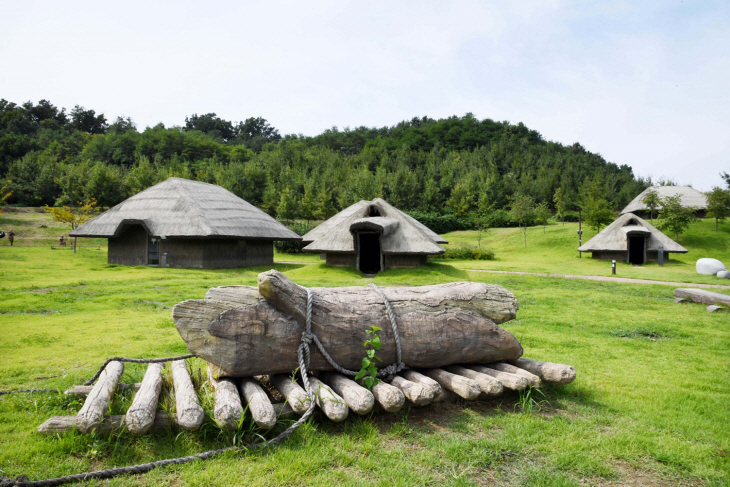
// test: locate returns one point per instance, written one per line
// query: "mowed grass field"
(649, 405)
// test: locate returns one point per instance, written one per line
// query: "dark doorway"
(369, 252)
(636, 250)
(153, 251)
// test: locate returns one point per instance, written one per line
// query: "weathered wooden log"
(388, 396)
(331, 404)
(188, 411)
(357, 398)
(703, 296)
(533, 379)
(547, 371)
(296, 397)
(92, 413)
(462, 386)
(488, 384)
(244, 331)
(258, 403)
(141, 414)
(83, 391)
(227, 407)
(512, 382)
(418, 394)
(419, 378)
(63, 424)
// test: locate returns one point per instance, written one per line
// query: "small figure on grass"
(11, 237)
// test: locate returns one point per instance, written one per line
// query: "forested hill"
(459, 165)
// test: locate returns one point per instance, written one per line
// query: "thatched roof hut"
(183, 223)
(690, 197)
(372, 236)
(632, 239)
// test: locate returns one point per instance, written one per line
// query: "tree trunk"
(244, 332)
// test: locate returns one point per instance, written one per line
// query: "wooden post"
(227, 409)
(488, 384)
(418, 394)
(329, 402)
(533, 379)
(509, 381)
(141, 414)
(419, 378)
(258, 403)
(388, 396)
(462, 386)
(296, 396)
(359, 399)
(547, 371)
(189, 413)
(97, 402)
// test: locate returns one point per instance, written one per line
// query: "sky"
(642, 83)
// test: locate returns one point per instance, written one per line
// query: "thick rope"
(303, 356)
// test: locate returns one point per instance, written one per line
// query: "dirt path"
(605, 278)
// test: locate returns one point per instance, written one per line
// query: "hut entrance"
(153, 250)
(369, 252)
(636, 250)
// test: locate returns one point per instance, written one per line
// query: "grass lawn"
(649, 406)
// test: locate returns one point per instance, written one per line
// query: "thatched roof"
(400, 233)
(690, 197)
(614, 236)
(182, 208)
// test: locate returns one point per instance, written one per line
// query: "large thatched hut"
(689, 197)
(631, 239)
(183, 223)
(372, 236)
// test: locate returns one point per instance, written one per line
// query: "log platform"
(335, 395)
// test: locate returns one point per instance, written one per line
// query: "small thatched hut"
(183, 223)
(372, 236)
(690, 197)
(632, 239)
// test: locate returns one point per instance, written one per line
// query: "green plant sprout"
(369, 371)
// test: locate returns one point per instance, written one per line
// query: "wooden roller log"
(462, 386)
(332, 405)
(189, 414)
(533, 379)
(97, 402)
(512, 382)
(296, 397)
(358, 399)
(488, 384)
(388, 396)
(246, 331)
(227, 409)
(141, 414)
(418, 394)
(258, 403)
(62, 424)
(419, 378)
(547, 371)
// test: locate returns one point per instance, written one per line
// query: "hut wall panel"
(618, 255)
(130, 248)
(183, 252)
(404, 260)
(653, 255)
(259, 252)
(219, 253)
(341, 260)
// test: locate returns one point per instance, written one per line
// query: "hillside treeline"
(459, 166)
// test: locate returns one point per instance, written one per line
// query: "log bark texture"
(418, 394)
(388, 396)
(357, 398)
(332, 405)
(141, 414)
(488, 384)
(63, 424)
(462, 386)
(547, 371)
(296, 396)
(246, 331)
(533, 379)
(188, 410)
(512, 382)
(227, 409)
(92, 413)
(258, 403)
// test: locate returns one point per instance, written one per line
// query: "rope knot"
(307, 337)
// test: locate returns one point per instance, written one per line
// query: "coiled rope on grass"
(303, 356)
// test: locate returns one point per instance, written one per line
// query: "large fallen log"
(245, 331)
(703, 296)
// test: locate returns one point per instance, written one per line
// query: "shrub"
(465, 252)
(442, 223)
(293, 247)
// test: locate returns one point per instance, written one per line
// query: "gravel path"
(605, 278)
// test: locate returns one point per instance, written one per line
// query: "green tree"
(674, 217)
(597, 213)
(718, 205)
(287, 208)
(522, 212)
(652, 202)
(461, 200)
(560, 199)
(542, 214)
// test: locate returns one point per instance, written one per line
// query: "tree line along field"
(648, 406)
